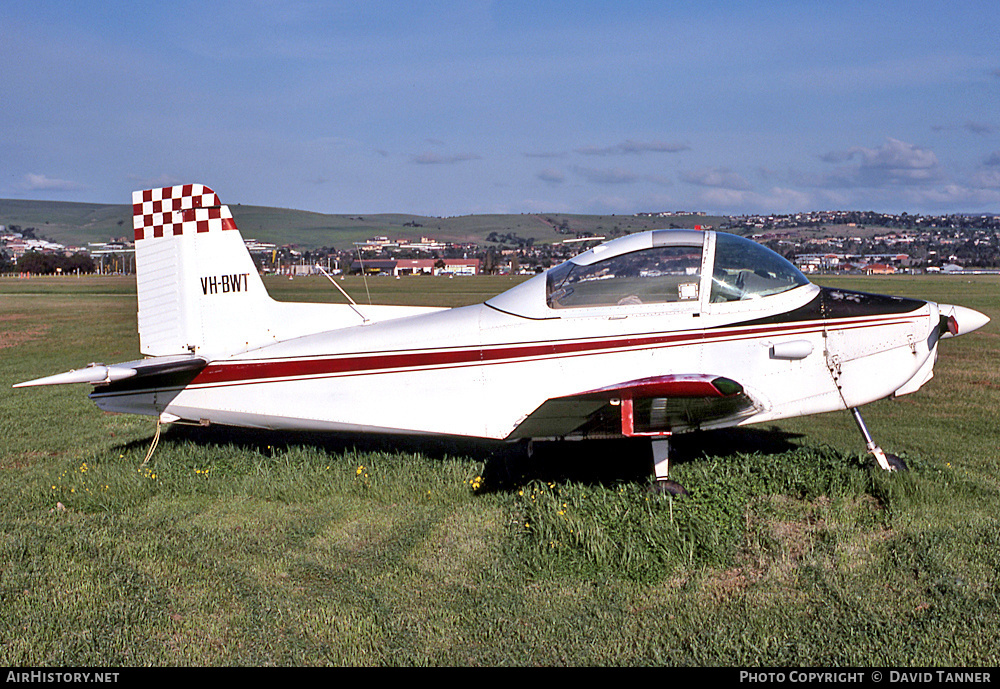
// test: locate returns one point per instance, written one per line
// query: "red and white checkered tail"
(174, 211)
(198, 287)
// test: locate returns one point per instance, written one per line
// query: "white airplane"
(649, 335)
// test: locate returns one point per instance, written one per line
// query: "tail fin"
(199, 290)
(198, 287)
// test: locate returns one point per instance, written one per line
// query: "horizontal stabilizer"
(94, 374)
(100, 374)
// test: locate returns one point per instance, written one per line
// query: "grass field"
(240, 548)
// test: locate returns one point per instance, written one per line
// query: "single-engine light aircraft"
(650, 334)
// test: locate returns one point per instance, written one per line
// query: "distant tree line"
(510, 238)
(48, 264)
(27, 232)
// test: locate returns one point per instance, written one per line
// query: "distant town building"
(419, 266)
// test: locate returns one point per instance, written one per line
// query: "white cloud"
(35, 182)
(632, 147)
(987, 179)
(738, 201)
(156, 182)
(721, 178)
(952, 195)
(898, 155)
(608, 204)
(895, 162)
(607, 176)
(551, 176)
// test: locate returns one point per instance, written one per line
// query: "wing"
(650, 406)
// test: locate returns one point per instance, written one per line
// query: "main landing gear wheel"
(668, 488)
(661, 467)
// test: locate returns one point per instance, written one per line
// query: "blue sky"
(451, 108)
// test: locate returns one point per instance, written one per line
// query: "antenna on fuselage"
(352, 304)
(364, 278)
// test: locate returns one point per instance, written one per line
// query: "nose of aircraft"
(959, 320)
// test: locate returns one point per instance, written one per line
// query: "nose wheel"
(885, 460)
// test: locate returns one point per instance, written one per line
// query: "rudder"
(198, 287)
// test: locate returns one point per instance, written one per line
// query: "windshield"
(651, 276)
(748, 270)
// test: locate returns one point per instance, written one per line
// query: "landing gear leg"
(661, 467)
(887, 461)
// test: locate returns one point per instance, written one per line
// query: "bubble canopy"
(679, 269)
(744, 269)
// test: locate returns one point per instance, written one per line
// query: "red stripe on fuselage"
(273, 370)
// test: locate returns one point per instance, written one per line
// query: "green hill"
(76, 224)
